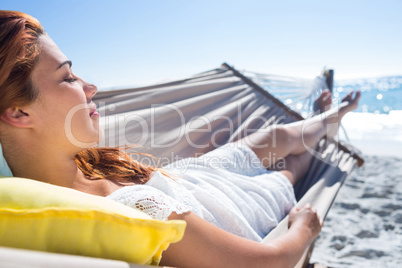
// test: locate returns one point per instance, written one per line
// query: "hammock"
(190, 117)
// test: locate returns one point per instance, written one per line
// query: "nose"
(90, 90)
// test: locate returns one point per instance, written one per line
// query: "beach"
(364, 226)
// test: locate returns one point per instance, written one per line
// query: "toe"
(348, 97)
(352, 101)
(357, 97)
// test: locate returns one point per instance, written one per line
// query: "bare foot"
(323, 102)
(349, 102)
(333, 118)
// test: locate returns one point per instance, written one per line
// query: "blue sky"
(121, 43)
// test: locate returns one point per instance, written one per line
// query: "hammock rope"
(297, 93)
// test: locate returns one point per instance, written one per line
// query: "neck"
(43, 165)
(31, 159)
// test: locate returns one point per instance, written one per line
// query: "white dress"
(227, 187)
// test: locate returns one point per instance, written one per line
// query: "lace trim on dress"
(149, 200)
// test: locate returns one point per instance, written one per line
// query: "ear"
(16, 117)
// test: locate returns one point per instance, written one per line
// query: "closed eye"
(70, 80)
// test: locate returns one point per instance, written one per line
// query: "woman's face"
(63, 112)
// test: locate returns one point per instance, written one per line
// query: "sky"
(116, 44)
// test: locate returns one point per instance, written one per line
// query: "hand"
(306, 218)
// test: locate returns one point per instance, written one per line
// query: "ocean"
(375, 127)
(379, 95)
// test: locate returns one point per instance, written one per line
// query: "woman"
(38, 91)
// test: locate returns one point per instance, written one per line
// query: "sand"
(364, 226)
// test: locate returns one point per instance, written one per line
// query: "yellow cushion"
(40, 216)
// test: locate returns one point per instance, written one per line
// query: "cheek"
(64, 114)
(77, 119)
(71, 109)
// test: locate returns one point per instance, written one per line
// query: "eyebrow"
(69, 62)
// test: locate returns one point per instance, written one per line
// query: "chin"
(86, 142)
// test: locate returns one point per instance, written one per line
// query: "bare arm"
(205, 245)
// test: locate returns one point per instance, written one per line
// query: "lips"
(93, 111)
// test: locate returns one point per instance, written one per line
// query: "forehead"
(50, 56)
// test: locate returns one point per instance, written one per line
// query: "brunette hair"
(19, 52)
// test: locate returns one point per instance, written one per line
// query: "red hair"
(19, 52)
(112, 164)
